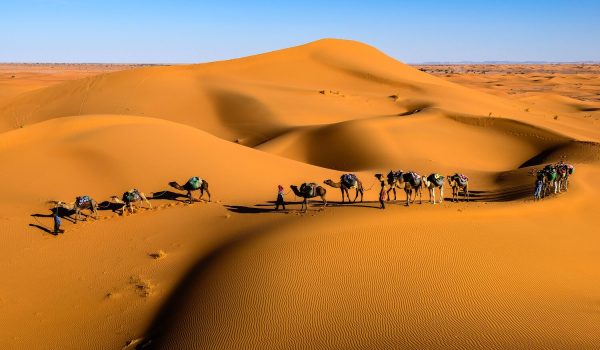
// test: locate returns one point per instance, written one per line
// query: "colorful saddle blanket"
(414, 178)
(132, 195)
(349, 180)
(570, 169)
(309, 188)
(393, 175)
(195, 182)
(79, 201)
(462, 179)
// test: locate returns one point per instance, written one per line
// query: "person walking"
(537, 195)
(57, 222)
(280, 200)
(382, 194)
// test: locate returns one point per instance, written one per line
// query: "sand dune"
(499, 272)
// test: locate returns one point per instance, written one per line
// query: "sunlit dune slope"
(255, 98)
(107, 155)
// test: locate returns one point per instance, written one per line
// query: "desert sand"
(501, 271)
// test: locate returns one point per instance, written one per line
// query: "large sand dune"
(500, 272)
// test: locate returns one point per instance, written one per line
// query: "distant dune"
(498, 272)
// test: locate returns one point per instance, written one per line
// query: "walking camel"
(432, 182)
(412, 182)
(129, 198)
(459, 182)
(348, 181)
(394, 180)
(81, 203)
(409, 181)
(193, 184)
(310, 190)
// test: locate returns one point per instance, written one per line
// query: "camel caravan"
(131, 201)
(552, 179)
(411, 182)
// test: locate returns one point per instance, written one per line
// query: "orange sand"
(500, 272)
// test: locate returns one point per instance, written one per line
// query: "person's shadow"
(62, 213)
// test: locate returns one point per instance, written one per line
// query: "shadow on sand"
(169, 195)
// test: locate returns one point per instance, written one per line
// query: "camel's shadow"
(169, 195)
(505, 195)
(269, 207)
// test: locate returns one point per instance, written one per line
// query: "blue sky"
(183, 31)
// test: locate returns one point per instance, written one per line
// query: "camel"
(345, 184)
(563, 172)
(402, 180)
(412, 182)
(394, 180)
(310, 190)
(193, 184)
(129, 198)
(432, 182)
(81, 203)
(550, 180)
(459, 182)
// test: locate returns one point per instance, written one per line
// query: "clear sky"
(183, 31)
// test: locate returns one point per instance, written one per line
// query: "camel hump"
(309, 188)
(132, 195)
(195, 182)
(437, 179)
(461, 179)
(350, 180)
(79, 201)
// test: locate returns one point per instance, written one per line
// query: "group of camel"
(553, 178)
(411, 182)
(133, 198)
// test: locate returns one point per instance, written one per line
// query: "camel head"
(116, 199)
(379, 176)
(329, 182)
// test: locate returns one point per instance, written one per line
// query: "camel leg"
(432, 195)
(145, 199)
(355, 197)
(362, 192)
(441, 194)
(408, 194)
(189, 196)
(342, 190)
(207, 192)
(325, 201)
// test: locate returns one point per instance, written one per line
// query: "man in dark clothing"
(280, 200)
(57, 222)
